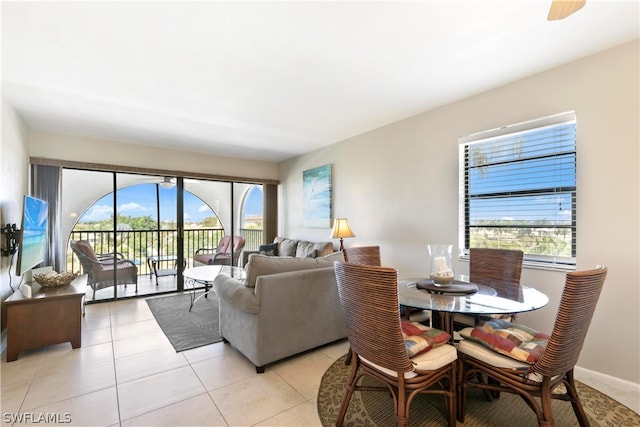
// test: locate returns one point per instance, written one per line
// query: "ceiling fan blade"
(560, 9)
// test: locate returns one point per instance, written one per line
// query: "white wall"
(92, 150)
(398, 186)
(14, 176)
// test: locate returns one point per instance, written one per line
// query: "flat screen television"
(32, 245)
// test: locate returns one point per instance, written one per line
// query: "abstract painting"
(316, 188)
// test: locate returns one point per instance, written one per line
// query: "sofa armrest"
(233, 292)
(245, 257)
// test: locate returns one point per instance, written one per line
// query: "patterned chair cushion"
(419, 338)
(510, 339)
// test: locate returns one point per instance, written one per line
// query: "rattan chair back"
(486, 265)
(577, 305)
(368, 255)
(538, 384)
(369, 298)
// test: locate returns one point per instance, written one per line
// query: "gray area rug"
(376, 409)
(187, 329)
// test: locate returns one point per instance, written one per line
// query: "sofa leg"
(259, 369)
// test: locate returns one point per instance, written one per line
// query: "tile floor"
(127, 374)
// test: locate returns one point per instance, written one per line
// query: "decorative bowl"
(442, 280)
(52, 279)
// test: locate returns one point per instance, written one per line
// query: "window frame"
(548, 261)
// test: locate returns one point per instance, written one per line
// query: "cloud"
(98, 213)
(204, 208)
(131, 207)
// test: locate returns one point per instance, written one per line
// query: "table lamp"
(341, 230)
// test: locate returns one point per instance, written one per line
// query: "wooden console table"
(49, 316)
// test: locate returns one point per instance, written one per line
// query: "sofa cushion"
(260, 265)
(419, 338)
(270, 249)
(510, 339)
(286, 247)
(306, 250)
(324, 248)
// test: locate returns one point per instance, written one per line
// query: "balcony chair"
(545, 368)
(99, 268)
(222, 255)
(369, 299)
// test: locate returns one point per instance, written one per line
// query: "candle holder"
(441, 270)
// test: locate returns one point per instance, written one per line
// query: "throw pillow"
(286, 247)
(510, 339)
(270, 249)
(305, 250)
(419, 338)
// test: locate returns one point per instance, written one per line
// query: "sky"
(140, 200)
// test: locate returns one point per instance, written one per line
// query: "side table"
(49, 316)
(154, 262)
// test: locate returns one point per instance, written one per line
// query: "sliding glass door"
(157, 223)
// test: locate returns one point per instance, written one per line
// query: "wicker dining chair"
(368, 255)
(369, 299)
(554, 366)
(487, 266)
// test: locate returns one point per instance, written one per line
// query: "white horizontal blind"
(518, 189)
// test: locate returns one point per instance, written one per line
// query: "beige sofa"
(295, 248)
(286, 305)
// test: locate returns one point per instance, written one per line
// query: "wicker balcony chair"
(555, 364)
(222, 254)
(369, 299)
(99, 268)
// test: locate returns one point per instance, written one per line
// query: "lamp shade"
(341, 229)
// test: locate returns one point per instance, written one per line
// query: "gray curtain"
(45, 183)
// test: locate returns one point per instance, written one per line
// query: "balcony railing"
(139, 245)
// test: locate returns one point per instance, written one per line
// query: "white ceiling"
(271, 80)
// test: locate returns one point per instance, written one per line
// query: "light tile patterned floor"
(127, 374)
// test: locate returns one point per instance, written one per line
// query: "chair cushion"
(429, 361)
(269, 250)
(511, 339)
(419, 338)
(84, 247)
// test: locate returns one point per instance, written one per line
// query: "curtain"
(45, 185)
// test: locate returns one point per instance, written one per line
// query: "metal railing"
(137, 246)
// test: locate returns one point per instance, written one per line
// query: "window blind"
(518, 189)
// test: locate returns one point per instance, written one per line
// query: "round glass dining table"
(494, 297)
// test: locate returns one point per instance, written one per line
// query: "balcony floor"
(146, 287)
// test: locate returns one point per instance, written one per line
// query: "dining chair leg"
(346, 399)
(575, 400)
(347, 360)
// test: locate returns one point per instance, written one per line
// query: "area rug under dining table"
(187, 329)
(376, 409)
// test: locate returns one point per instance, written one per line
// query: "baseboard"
(625, 392)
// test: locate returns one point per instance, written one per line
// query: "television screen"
(33, 235)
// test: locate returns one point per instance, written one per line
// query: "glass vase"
(441, 269)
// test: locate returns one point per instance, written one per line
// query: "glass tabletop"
(491, 298)
(208, 273)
